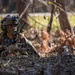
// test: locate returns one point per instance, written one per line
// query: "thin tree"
(20, 6)
(63, 19)
(51, 18)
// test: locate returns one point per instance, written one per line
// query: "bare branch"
(37, 21)
(24, 11)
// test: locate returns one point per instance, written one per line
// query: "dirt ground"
(54, 65)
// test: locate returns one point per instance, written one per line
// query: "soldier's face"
(10, 29)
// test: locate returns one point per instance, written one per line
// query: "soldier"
(10, 36)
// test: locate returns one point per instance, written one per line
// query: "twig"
(63, 43)
(53, 3)
(24, 11)
(37, 21)
(7, 62)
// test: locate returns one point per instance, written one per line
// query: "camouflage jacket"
(19, 39)
(6, 41)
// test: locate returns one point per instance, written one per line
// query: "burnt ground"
(54, 65)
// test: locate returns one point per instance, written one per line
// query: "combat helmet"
(9, 20)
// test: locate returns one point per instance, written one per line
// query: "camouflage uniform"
(4, 41)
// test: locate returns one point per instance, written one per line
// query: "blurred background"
(9, 6)
(40, 11)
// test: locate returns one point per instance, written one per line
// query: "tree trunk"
(51, 19)
(20, 6)
(63, 20)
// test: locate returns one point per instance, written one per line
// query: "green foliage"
(50, 2)
(72, 20)
(45, 19)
